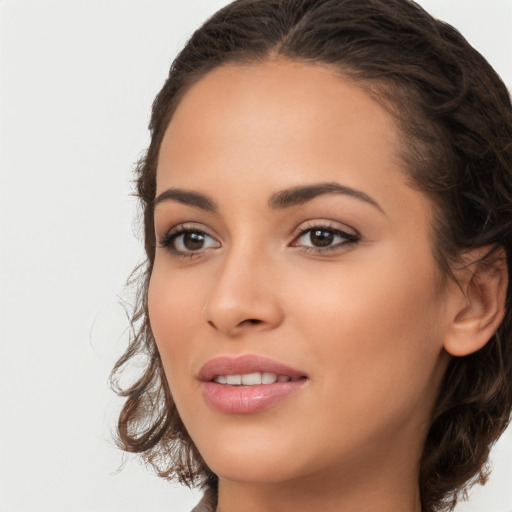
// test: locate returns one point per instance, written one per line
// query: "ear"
(479, 308)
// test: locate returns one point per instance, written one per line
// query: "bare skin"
(341, 285)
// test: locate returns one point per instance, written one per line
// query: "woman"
(327, 203)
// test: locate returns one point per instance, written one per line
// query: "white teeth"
(234, 380)
(269, 378)
(251, 379)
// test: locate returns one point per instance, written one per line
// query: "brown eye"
(193, 241)
(189, 241)
(321, 237)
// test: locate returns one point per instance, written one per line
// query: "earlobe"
(480, 307)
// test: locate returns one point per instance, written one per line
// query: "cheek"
(376, 334)
(174, 309)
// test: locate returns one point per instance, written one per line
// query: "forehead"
(274, 114)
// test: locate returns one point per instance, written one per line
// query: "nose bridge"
(242, 294)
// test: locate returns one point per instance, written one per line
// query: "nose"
(243, 297)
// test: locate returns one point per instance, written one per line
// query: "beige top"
(208, 503)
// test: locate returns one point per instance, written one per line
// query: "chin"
(251, 460)
(253, 471)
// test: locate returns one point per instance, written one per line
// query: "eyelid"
(186, 226)
(166, 241)
(350, 235)
(326, 224)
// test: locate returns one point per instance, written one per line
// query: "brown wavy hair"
(455, 117)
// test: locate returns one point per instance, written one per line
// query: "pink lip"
(246, 399)
(245, 364)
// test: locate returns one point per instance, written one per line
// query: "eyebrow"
(299, 195)
(187, 197)
(283, 199)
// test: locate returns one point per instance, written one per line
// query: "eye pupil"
(193, 241)
(321, 237)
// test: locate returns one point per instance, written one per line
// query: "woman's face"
(291, 248)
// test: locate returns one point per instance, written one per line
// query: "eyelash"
(349, 239)
(169, 240)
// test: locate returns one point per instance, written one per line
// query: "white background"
(77, 79)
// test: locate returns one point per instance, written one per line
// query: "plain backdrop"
(77, 79)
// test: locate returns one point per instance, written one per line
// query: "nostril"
(249, 321)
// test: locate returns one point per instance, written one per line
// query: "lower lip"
(247, 399)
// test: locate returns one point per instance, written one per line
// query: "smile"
(247, 384)
(251, 379)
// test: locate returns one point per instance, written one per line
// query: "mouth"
(252, 379)
(247, 384)
(247, 370)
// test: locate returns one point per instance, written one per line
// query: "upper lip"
(240, 365)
